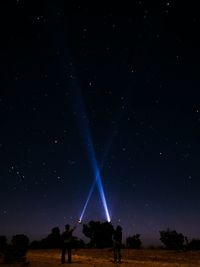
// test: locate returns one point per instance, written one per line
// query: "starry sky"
(122, 78)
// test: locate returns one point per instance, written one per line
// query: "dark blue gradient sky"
(131, 74)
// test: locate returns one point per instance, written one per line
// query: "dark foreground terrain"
(103, 257)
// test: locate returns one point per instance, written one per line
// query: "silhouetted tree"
(134, 242)
(17, 250)
(172, 240)
(100, 234)
(53, 240)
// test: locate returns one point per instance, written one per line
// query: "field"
(103, 258)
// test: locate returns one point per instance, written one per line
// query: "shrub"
(172, 240)
(134, 242)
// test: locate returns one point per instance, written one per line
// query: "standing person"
(67, 240)
(117, 243)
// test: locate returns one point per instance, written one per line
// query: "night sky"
(121, 78)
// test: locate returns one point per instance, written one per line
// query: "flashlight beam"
(102, 194)
(83, 124)
(87, 200)
(96, 173)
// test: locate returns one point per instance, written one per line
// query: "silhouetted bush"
(134, 242)
(173, 240)
(53, 241)
(16, 252)
(100, 234)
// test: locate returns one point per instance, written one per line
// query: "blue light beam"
(96, 172)
(106, 152)
(102, 194)
(83, 125)
(87, 200)
(94, 182)
(97, 181)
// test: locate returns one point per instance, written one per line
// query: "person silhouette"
(67, 239)
(117, 243)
